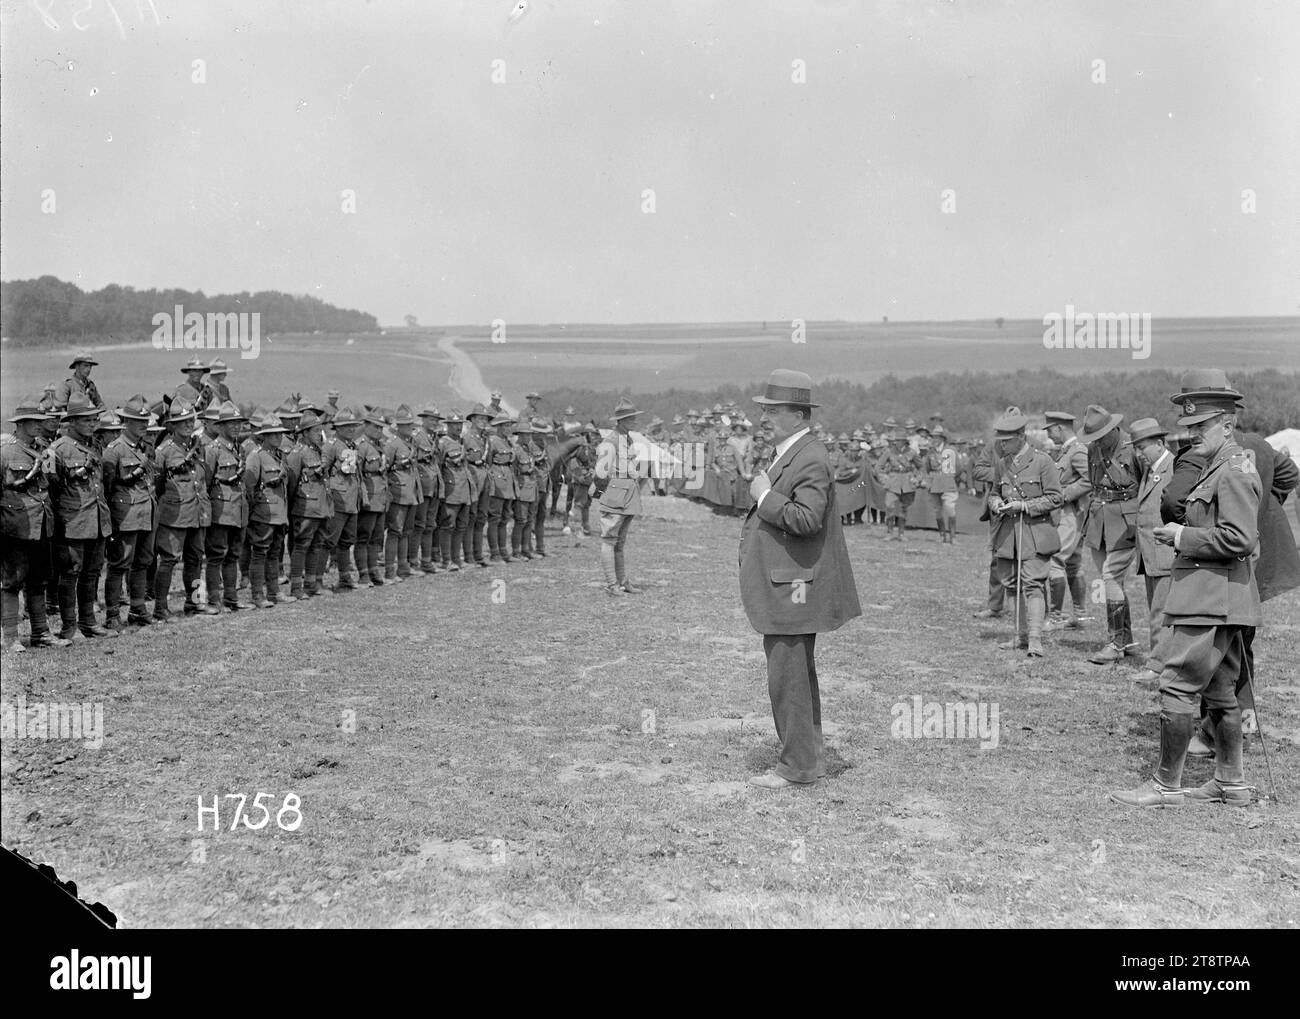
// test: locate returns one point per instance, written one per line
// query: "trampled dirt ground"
(505, 767)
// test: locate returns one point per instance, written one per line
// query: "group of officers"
(233, 494)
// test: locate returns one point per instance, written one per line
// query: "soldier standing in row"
(129, 481)
(525, 478)
(78, 384)
(940, 465)
(192, 390)
(424, 550)
(1067, 563)
(307, 468)
(373, 517)
(268, 511)
(457, 495)
(224, 539)
(404, 496)
(1026, 497)
(501, 479)
(475, 442)
(1110, 527)
(27, 527)
(344, 481)
(82, 520)
(181, 483)
(543, 434)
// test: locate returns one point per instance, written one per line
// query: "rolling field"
(417, 365)
(512, 747)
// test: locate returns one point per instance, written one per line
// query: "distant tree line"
(48, 310)
(968, 401)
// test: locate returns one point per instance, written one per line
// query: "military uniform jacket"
(306, 471)
(76, 477)
(265, 487)
(1073, 465)
(1033, 478)
(199, 398)
(1112, 509)
(541, 467)
(425, 447)
(403, 481)
(181, 483)
(1213, 572)
(225, 472)
(475, 446)
(25, 510)
(501, 459)
(129, 480)
(940, 467)
(1154, 559)
(457, 485)
(617, 476)
(525, 472)
(69, 387)
(899, 471)
(374, 476)
(344, 476)
(795, 574)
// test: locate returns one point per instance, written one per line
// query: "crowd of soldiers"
(260, 499)
(876, 472)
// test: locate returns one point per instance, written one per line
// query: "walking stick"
(1020, 519)
(1254, 706)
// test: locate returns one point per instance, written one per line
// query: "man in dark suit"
(795, 577)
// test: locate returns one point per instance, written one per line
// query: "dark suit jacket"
(795, 575)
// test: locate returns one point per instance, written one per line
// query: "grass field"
(501, 771)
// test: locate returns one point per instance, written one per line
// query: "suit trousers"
(796, 705)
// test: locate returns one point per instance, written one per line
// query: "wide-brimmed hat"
(194, 365)
(624, 410)
(228, 412)
(217, 367)
(1058, 417)
(542, 427)
(939, 431)
(137, 408)
(532, 396)
(271, 425)
(889, 424)
(431, 412)
(1204, 393)
(288, 409)
(910, 424)
(82, 357)
(787, 387)
(404, 415)
(375, 416)
(211, 412)
(108, 422)
(501, 419)
(522, 427)
(1146, 428)
(857, 435)
(29, 409)
(1097, 421)
(80, 407)
(310, 419)
(180, 410)
(453, 418)
(478, 411)
(345, 417)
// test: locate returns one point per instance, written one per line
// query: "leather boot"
(1114, 650)
(162, 583)
(1165, 789)
(1057, 584)
(1078, 594)
(1229, 783)
(1035, 609)
(296, 587)
(257, 582)
(1125, 621)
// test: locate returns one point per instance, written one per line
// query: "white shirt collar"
(784, 445)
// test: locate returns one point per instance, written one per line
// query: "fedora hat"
(787, 387)
(29, 410)
(80, 407)
(625, 409)
(1146, 428)
(82, 357)
(1097, 421)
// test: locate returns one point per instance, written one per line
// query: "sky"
(937, 161)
